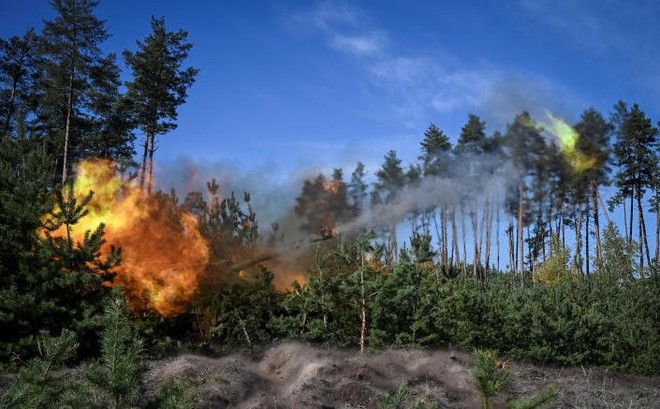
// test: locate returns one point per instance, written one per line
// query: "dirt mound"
(295, 375)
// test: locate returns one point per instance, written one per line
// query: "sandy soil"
(295, 375)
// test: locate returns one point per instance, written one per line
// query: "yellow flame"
(163, 251)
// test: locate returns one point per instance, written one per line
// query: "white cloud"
(419, 86)
(361, 45)
(415, 85)
(325, 16)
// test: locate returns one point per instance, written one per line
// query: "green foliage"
(42, 383)
(48, 282)
(176, 395)
(117, 375)
(556, 267)
(323, 202)
(618, 262)
(490, 377)
(396, 400)
(243, 311)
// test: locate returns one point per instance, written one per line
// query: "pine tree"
(323, 203)
(17, 74)
(436, 149)
(391, 179)
(48, 282)
(159, 86)
(523, 145)
(357, 189)
(637, 161)
(41, 383)
(436, 162)
(110, 131)
(593, 146)
(472, 139)
(70, 55)
(118, 373)
(472, 143)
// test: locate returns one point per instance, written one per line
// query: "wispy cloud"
(342, 27)
(329, 14)
(413, 85)
(361, 44)
(418, 85)
(592, 25)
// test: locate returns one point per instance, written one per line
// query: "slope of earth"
(295, 375)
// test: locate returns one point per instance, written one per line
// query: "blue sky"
(292, 87)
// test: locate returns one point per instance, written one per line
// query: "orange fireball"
(163, 252)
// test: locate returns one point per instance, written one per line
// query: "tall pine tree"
(160, 84)
(71, 57)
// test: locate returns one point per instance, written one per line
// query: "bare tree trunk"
(599, 250)
(393, 243)
(497, 234)
(10, 110)
(244, 328)
(152, 149)
(363, 325)
(642, 231)
(475, 261)
(438, 233)
(443, 228)
(520, 228)
(578, 239)
(529, 253)
(143, 168)
(632, 199)
(586, 237)
(463, 239)
(605, 211)
(488, 213)
(512, 251)
(67, 127)
(562, 227)
(454, 238)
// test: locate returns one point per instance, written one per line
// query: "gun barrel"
(252, 262)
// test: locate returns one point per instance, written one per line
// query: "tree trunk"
(67, 127)
(394, 247)
(586, 238)
(363, 324)
(443, 229)
(599, 250)
(632, 199)
(454, 238)
(143, 168)
(497, 234)
(657, 232)
(475, 261)
(438, 233)
(521, 248)
(152, 149)
(578, 239)
(509, 233)
(642, 232)
(10, 110)
(489, 226)
(464, 240)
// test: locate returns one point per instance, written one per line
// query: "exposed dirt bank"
(295, 375)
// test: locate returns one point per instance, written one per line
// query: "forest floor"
(296, 375)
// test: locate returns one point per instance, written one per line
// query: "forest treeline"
(574, 288)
